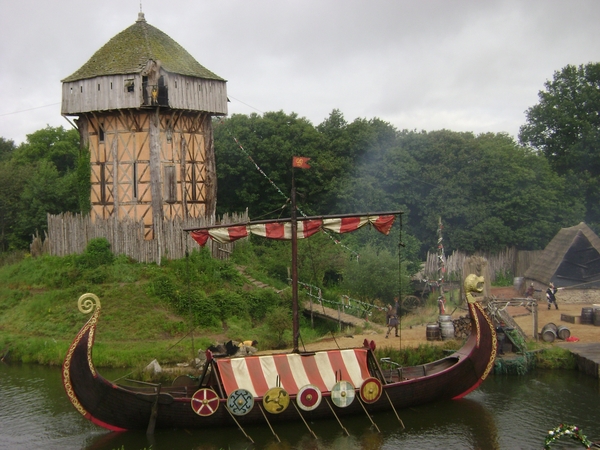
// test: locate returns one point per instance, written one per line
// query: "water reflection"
(505, 413)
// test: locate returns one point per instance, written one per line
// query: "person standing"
(392, 319)
(551, 295)
(442, 304)
(530, 291)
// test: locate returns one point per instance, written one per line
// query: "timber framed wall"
(149, 165)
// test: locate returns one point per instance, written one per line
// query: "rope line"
(287, 199)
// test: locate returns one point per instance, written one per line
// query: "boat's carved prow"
(85, 304)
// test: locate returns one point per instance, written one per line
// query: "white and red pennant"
(283, 230)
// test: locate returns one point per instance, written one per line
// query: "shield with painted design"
(276, 400)
(240, 402)
(371, 390)
(309, 397)
(205, 402)
(342, 394)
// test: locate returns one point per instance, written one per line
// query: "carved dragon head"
(473, 283)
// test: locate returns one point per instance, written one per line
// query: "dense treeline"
(489, 190)
(38, 177)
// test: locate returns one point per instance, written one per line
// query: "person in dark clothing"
(551, 295)
(530, 291)
(391, 317)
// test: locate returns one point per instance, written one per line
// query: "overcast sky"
(460, 65)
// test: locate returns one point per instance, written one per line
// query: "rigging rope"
(287, 199)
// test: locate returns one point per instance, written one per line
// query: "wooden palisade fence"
(70, 233)
(509, 261)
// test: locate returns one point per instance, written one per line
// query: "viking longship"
(298, 385)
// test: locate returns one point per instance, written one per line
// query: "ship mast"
(295, 323)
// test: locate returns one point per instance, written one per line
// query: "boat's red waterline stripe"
(103, 424)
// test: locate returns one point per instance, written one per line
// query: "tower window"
(170, 184)
(98, 86)
(129, 85)
(101, 133)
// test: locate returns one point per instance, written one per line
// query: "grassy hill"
(165, 312)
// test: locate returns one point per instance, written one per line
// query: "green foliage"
(259, 302)
(96, 254)
(278, 321)
(504, 278)
(375, 275)
(36, 178)
(555, 358)
(565, 127)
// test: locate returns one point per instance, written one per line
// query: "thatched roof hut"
(571, 259)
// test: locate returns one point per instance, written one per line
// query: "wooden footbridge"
(315, 309)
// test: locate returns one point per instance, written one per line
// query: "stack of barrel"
(442, 329)
(590, 316)
(550, 332)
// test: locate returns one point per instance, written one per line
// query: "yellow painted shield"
(276, 400)
(370, 390)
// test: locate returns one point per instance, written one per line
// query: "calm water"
(505, 413)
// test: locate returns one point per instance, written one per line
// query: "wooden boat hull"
(123, 408)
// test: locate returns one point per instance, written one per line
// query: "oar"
(302, 417)
(368, 415)
(394, 409)
(337, 418)
(238, 424)
(268, 423)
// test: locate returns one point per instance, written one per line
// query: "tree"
(12, 182)
(54, 144)
(7, 147)
(45, 174)
(565, 127)
(254, 162)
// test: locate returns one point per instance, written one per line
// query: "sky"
(461, 65)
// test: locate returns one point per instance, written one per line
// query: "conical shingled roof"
(130, 50)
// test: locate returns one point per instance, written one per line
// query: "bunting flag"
(283, 230)
(258, 374)
(300, 162)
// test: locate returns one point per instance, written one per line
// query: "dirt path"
(417, 335)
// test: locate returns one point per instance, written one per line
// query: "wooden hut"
(143, 107)
(572, 261)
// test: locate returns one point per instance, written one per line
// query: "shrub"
(97, 253)
(261, 301)
(229, 304)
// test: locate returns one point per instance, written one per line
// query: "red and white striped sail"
(282, 230)
(258, 374)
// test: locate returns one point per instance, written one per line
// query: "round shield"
(240, 402)
(205, 402)
(276, 400)
(370, 390)
(309, 397)
(342, 394)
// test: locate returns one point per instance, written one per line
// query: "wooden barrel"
(596, 317)
(549, 332)
(433, 332)
(587, 315)
(447, 330)
(444, 318)
(563, 332)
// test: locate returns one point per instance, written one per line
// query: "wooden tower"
(143, 106)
